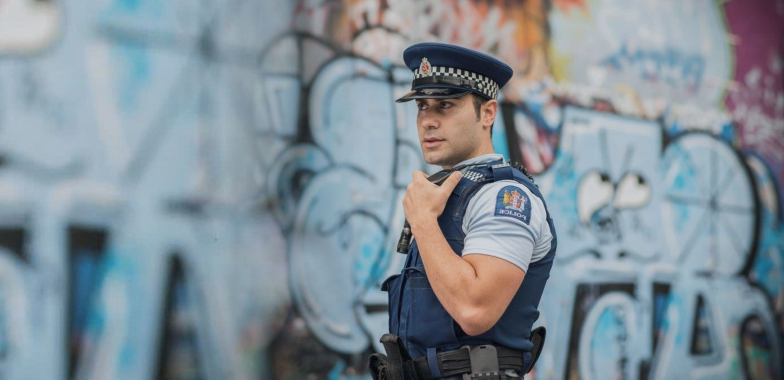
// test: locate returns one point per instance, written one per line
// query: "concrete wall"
(211, 189)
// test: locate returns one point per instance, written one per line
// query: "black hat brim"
(433, 93)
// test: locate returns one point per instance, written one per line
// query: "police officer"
(483, 241)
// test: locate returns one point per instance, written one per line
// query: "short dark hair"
(478, 102)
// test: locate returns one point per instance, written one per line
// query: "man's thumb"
(452, 181)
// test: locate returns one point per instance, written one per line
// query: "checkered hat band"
(459, 77)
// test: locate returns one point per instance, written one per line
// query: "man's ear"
(489, 112)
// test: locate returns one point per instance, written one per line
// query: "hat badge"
(424, 67)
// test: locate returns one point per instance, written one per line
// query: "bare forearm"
(453, 279)
(473, 290)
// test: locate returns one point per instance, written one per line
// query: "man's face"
(449, 130)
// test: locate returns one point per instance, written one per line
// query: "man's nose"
(428, 121)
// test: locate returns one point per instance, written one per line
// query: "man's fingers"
(418, 174)
(452, 181)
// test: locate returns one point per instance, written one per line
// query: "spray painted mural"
(209, 190)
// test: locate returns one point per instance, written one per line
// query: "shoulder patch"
(513, 202)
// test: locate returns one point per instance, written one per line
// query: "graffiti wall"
(212, 189)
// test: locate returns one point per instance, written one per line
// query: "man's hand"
(424, 201)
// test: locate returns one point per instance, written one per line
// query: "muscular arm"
(476, 289)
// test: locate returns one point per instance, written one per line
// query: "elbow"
(475, 321)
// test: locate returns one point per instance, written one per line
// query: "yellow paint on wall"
(559, 64)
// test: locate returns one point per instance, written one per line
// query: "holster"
(378, 366)
(396, 364)
(537, 337)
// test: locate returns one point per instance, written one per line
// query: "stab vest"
(416, 315)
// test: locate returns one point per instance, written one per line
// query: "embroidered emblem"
(424, 67)
(513, 202)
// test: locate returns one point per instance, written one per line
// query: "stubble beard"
(449, 159)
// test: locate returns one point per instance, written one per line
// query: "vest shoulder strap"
(502, 171)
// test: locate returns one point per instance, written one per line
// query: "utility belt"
(484, 362)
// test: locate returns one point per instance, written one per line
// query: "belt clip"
(484, 363)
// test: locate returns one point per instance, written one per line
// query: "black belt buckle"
(484, 363)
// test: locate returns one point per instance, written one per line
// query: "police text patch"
(513, 202)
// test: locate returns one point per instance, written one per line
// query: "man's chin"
(433, 160)
(439, 161)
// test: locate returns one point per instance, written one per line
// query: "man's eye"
(422, 106)
(445, 105)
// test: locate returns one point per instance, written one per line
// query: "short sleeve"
(502, 220)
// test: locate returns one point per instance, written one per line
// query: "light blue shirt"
(511, 239)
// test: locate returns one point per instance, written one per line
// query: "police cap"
(443, 71)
